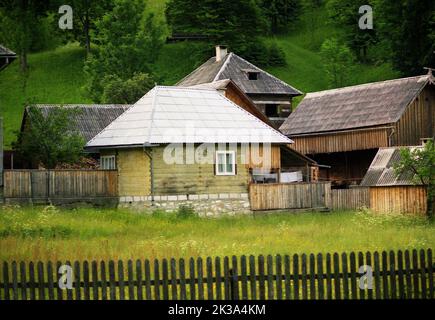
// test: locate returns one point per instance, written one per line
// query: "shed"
(272, 96)
(390, 193)
(6, 57)
(344, 127)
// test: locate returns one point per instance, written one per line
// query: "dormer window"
(252, 74)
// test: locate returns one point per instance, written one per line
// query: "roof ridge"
(194, 70)
(270, 75)
(363, 85)
(225, 64)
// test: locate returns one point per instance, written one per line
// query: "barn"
(344, 128)
(390, 193)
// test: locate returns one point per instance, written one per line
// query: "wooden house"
(272, 96)
(344, 128)
(190, 145)
(6, 57)
(390, 193)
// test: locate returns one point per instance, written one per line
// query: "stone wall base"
(206, 205)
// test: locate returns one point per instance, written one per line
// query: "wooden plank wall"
(60, 184)
(399, 199)
(289, 196)
(341, 142)
(350, 199)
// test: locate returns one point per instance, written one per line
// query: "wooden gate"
(290, 196)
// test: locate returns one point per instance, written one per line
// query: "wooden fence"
(52, 185)
(347, 199)
(289, 196)
(395, 275)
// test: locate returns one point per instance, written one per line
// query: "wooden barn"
(272, 96)
(390, 193)
(178, 145)
(344, 128)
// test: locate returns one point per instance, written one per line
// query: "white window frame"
(108, 162)
(233, 167)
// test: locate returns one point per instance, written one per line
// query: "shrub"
(186, 211)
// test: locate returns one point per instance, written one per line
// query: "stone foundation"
(206, 205)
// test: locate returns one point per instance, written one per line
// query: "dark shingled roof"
(381, 171)
(236, 68)
(360, 106)
(91, 120)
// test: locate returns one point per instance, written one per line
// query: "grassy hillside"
(57, 76)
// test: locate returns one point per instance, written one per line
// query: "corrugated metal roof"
(366, 105)
(235, 68)
(91, 119)
(381, 171)
(5, 52)
(185, 115)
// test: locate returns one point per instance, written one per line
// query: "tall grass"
(54, 234)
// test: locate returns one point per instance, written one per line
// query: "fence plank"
(130, 279)
(183, 294)
(392, 275)
(157, 280)
(69, 292)
(235, 279)
(262, 289)
(270, 289)
(174, 291)
(278, 267)
(244, 277)
(121, 280)
(200, 277)
(50, 280)
(377, 275)
(6, 281)
(252, 278)
(147, 280)
(369, 263)
(192, 279)
(287, 277)
(386, 293)
(41, 281)
(320, 285)
(416, 286)
(328, 277)
(304, 277)
(312, 277)
(408, 275)
(353, 280)
(362, 290)
(165, 279)
(94, 272)
(15, 281)
(86, 293)
(78, 294)
(23, 281)
(430, 273)
(337, 291)
(345, 276)
(139, 279)
(112, 280)
(423, 274)
(103, 280)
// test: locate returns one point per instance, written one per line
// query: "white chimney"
(221, 52)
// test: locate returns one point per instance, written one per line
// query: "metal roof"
(91, 119)
(366, 105)
(235, 68)
(381, 171)
(185, 115)
(5, 52)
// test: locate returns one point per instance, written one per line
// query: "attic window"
(253, 75)
(271, 110)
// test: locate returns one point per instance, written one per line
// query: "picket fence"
(394, 275)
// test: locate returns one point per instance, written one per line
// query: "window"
(107, 163)
(271, 110)
(225, 163)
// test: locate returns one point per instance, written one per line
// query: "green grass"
(52, 234)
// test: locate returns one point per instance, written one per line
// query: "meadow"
(49, 233)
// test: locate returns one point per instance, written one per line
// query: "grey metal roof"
(381, 171)
(91, 119)
(5, 52)
(185, 115)
(354, 107)
(235, 68)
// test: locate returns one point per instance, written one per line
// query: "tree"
(85, 14)
(127, 43)
(281, 13)
(337, 60)
(20, 21)
(420, 162)
(345, 14)
(50, 139)
(119, 91)
(236, 23)
(407, 27)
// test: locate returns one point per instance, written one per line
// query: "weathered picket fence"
(394, 275)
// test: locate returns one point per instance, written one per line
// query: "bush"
(276, 56)
(186, 211)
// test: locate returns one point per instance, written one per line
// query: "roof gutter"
(325, 133)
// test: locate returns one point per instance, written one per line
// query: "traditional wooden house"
(189, 146)
(344, 128)
(6, 57)
(272, 96)
(390, 193)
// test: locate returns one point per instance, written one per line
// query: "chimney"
(221, 52)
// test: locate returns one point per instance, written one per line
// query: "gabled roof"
(185, 115)
(360, 106)
(236, 68)
(381, 171)
(6, 57)
(90, 120)
(5, 52)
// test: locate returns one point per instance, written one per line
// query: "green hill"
(57, 76)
